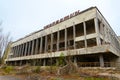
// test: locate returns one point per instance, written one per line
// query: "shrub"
(8, 69)
(60, 61)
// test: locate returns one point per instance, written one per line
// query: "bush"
(8, 69)
(61, 61)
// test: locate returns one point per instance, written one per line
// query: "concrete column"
(74, 31)
(97, 31)
(101, 27)
(84, 25)
(15, 63)
(51, 41)
(23, 49)
(75, 60)
(41, 45)
(29, 44)
(44, 62)
(58, 38)
(45, 43)
(20, 62)
(12, 50)
(101, 59)
(19, 50)
(36, 47)
(65, 38)
(26, 49)
(32, 51)
(34, 62)
(16, 51)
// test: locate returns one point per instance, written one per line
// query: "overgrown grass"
(8, 69)
(37, 69)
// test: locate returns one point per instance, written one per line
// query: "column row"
(57, 41)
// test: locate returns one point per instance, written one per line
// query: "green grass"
(8, 69)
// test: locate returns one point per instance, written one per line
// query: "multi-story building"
(84, 35)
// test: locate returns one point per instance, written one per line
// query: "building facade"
(84, 35)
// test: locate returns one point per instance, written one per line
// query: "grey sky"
(21, 17)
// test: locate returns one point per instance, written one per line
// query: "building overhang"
(83, 51)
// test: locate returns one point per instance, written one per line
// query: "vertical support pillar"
(29, 44)
(41, 45)
(32, 51)
(16, 51)
(36, 46)
(51, 41)
(15, 63)
(13, 52)
(84, 25)
(75, 60)
(58, 38)
(101, 59)
(74, 34)
(45, 43)
(65, 38)
(97, 31)
(25, 49)
(20, 62)
(44, 62)
(20, 50)
(34, 62)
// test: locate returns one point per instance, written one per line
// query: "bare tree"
(4, 40)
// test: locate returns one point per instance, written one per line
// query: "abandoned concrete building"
(84, 35)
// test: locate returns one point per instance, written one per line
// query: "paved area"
(8, 78)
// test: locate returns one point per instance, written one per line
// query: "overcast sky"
(21, 17)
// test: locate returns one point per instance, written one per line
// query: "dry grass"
(50, 73)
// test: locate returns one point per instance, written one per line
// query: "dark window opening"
(91, 42)
(90, 26)
(79, 30)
